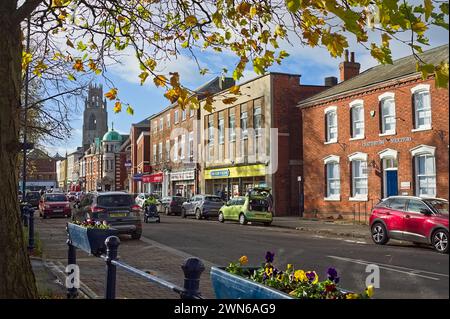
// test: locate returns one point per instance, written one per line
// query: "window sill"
(422, 129)
(356, 138)
(332, 199)
(387, 134)
(330, 142)
(358, 199)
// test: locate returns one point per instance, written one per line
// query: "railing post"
(112, 245)
(30, 229)
(24, 214)
(72, 290)
(192, 268)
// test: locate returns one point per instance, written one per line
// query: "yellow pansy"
(300, 275)
(243, 260)
(269, 271)
(351, 296)
(369, 291)
(289, 267)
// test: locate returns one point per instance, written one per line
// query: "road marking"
(408, 271)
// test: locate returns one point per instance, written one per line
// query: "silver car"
(202, 206)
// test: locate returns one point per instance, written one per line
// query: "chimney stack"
(348, 69)
(331, 81)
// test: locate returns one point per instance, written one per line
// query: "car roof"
(112, 193)
(238, 197)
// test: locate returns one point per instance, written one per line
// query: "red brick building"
(380, 133)
(256, 140)
(41, 170)
(144, 155)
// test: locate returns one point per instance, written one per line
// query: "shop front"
(235, 180)
(183, 183)
(153, 183)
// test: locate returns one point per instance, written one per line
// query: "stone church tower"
(95, 116)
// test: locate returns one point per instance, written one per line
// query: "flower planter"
(230, 286)
(90, 240)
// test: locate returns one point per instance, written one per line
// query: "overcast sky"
(313, 64)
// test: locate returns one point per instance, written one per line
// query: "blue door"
(391, 183)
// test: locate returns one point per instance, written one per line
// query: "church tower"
(95, 116)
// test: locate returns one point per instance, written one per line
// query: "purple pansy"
(269, 257)
(332, 274)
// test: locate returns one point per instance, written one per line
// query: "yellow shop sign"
(236, 171)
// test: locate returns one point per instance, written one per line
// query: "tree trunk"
(16, 275)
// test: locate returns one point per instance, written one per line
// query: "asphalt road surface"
(405, 270)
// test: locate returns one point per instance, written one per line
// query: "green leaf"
(71, 77)
(428, 6)
(130, 110)
(441, 75)
(81, 46)
(293, 5)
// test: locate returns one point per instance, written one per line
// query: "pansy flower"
(269, 257)
(312, 277)
(332, 275)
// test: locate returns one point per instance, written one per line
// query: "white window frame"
(221, 129)
(183, 146)
(244, 132)
(332, 159)
(167, 150)
(175, 149)
(416, 152)
(418, 89)
(191, 145)
(257, 113)
(155, 126)
(327, 111)
(183, 114)
(382, 98)
(160, 151)
(168, 120)
(232, 128)
(358, 156)
(357, 104)
(161, 124)
(154, 153)
(176, 119)
(191, 112)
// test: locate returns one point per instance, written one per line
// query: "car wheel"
(183, 213)
(136, 235)
(267, 223)
(440, 241)
(379, 234)
(198, 214)
(146, 219)
(242, 219)
(221, 217)
(166, 211)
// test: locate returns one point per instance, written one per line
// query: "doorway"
(390, 177)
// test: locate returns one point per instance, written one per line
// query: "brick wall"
(315, 150)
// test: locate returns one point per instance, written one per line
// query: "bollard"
(192, 268)
(72, 291)
(30, 229)
(112, 245)
(24, 214)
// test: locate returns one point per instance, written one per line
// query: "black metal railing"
(192, 269)
(27, 216)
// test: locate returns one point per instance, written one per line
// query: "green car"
(247, 209)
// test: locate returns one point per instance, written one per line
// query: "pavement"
(146, 254)
(341, 228)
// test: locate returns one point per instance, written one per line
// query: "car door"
(228, 209)
(395, 217)
(237, 208)
(194, 203)
(415, 221)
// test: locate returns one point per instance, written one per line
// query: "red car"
(415, 219)
(54, 204)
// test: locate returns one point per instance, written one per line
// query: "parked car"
(249, 208)
(141, 197)
(32, 198)
(171, 205)
(54, 204)
(72, 196)
(118, 209)
(202, 206)
(415, 219)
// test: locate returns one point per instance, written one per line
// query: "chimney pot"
(352, 57)
(346, 55)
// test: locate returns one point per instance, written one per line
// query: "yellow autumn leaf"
(111, 94)
(160, 80)
(235, 89)
(130, 110)
(117, 107)
(229, 100)
(190, 21)
(208, 107)
(171, 95)
(143, 76)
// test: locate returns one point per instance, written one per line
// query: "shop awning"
(153, 178)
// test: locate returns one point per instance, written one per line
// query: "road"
(406, 271)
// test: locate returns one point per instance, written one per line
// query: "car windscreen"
(439, 206)
(213, 199)
(115, 200)
(55, 198)
(33, 195)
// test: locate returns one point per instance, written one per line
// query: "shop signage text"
(154, 178)
(236, 171)
(182, 176)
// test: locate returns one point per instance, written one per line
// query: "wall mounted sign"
(236, 171)
(384, 141)
(405, 185)
(182, 176)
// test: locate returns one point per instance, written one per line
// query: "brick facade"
(402, 143)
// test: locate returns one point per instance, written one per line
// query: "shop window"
(422, 107)
(387, 113)
(331, 126)
(357, 120)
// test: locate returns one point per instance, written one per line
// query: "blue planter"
(230, 286)
(91, 240)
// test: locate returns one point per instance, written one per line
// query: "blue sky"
(314, 64)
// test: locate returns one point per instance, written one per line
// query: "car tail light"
(135, 208)
(96, 209)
